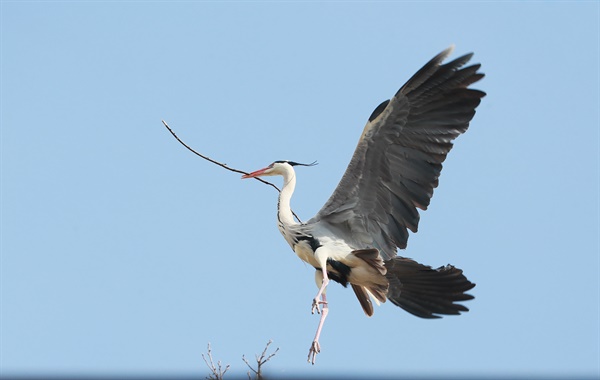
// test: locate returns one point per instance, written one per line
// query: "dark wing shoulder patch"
(378, 110)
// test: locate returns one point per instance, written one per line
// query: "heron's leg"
(321, 278)
(322, 281)
(315, 347)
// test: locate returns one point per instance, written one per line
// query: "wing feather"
(398, 159)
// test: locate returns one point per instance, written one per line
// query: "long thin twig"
(260, 361)
(217, 370)
(222, 164)
(213, 161)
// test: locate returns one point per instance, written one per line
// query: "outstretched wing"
(399, 156)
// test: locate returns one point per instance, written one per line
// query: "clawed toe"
(315, 306)
(315, 348)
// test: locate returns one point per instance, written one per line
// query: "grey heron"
(354, 238)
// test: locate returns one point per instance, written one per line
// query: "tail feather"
(426, 292)
(364, 299)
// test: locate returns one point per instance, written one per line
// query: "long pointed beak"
(257, 173)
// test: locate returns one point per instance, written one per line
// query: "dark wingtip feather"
(426, 71)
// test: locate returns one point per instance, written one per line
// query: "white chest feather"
(305, 253)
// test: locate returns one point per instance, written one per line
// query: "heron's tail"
(426, 292)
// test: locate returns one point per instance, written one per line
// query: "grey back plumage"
(399, 156)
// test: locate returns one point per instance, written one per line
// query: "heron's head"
(276, 168)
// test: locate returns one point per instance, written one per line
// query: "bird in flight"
(353, 239)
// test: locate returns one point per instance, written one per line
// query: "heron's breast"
(306, 253)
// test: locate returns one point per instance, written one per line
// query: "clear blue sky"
(123, 253)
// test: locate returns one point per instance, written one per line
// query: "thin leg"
(315, 347)
(324, 283)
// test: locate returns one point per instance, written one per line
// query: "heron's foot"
(315, 306)
(315, 348)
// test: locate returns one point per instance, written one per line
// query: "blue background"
(123, 253)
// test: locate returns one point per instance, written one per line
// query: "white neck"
(284, 211)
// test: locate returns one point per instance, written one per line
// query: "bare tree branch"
(217, 371)
(260, 361)
(222, 164)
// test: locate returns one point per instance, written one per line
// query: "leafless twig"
(217, 370)
(221, 164)
(260, 361)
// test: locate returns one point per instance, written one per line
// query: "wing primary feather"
(430, 67)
